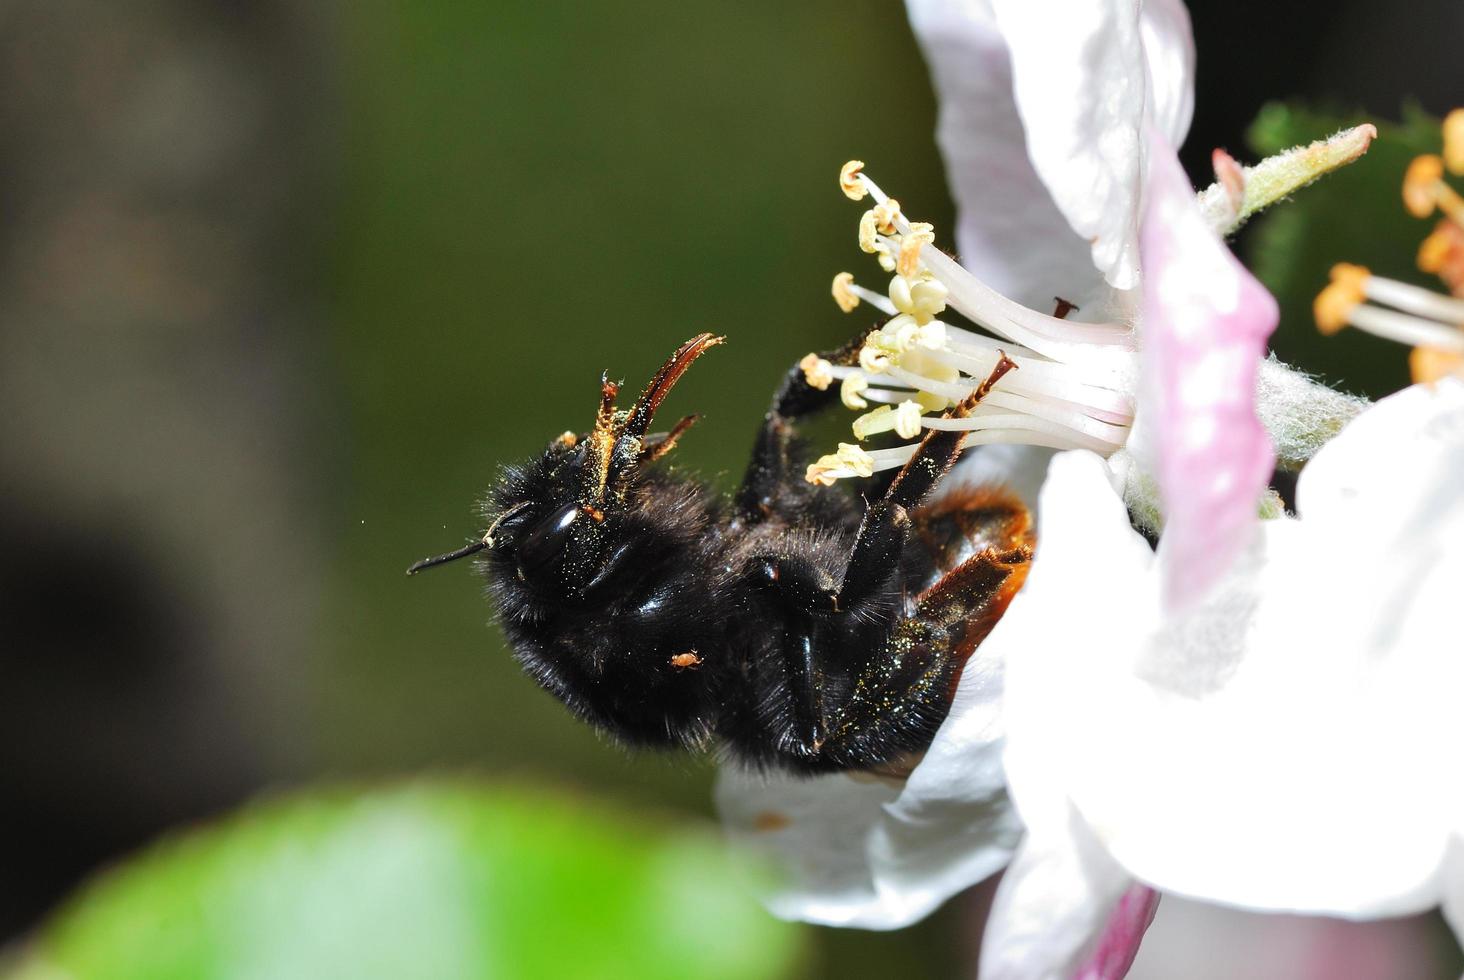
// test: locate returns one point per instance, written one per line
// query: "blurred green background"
(283, 283)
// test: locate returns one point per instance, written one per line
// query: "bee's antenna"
(463, 552)
(469, 549)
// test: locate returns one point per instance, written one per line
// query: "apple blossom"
(1052, 139)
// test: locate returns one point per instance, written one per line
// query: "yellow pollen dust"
(921, 233)
(818, 372)
(1454, 142)
(850, 182)
(843, 294)
(1334, 305)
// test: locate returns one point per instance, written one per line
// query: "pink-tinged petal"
(1121, 938)
(1052, 905)
(1199, 941)
(1070, 623)
(1009, 232)
(1087, 94)
(1205, 323)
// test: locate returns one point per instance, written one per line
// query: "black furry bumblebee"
(792, 624)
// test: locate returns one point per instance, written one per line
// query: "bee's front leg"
(886, 524)
(772, 464)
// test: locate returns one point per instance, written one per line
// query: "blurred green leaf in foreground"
(438, 880)
(1354, 215)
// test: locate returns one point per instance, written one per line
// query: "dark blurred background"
(282, 283)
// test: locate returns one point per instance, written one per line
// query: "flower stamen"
(817, 371)
(849, 461)
(1454, 142)
(1424, 189)
(1078, 378)
(1419, 317)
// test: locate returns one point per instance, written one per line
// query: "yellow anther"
(924, 362)
(882, 419)
(887, 216)
(1421, 184)
(1454, 142)
(843, 294)
(873, 360)
(850, 182)
(851, 388)
(869, 232)
(1434, 251)
(903, 420)
(907, 419)
(924, 298)
(818, 372)
(921, 233)
(931, 336)
(1334, 305)
(1429, 364)
(850, 460)
(886, 257)
(899, 334)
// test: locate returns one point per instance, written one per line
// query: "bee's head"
(567, 524)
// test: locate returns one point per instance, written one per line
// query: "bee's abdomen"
(968, 521)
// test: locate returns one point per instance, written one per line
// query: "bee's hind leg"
(904, 692)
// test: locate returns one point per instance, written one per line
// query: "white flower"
(1047, 116)
(1290, 742)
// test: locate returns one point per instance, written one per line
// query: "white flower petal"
(857, 850)
(1086, 585)
(1051, 905)
(1281, 746)
(1400, 458)
(1021, 469)
(1169, 50)
(1084, 96)
(1009, 231)
(1200, 941)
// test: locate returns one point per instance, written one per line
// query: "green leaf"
(439, 880)
(1354, 215)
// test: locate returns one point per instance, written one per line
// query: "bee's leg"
(886, 524)
(771, 462)
(904, 692)
(805, 595)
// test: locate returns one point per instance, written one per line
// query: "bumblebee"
(791, 625)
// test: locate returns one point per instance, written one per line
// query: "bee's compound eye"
(544, 543)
